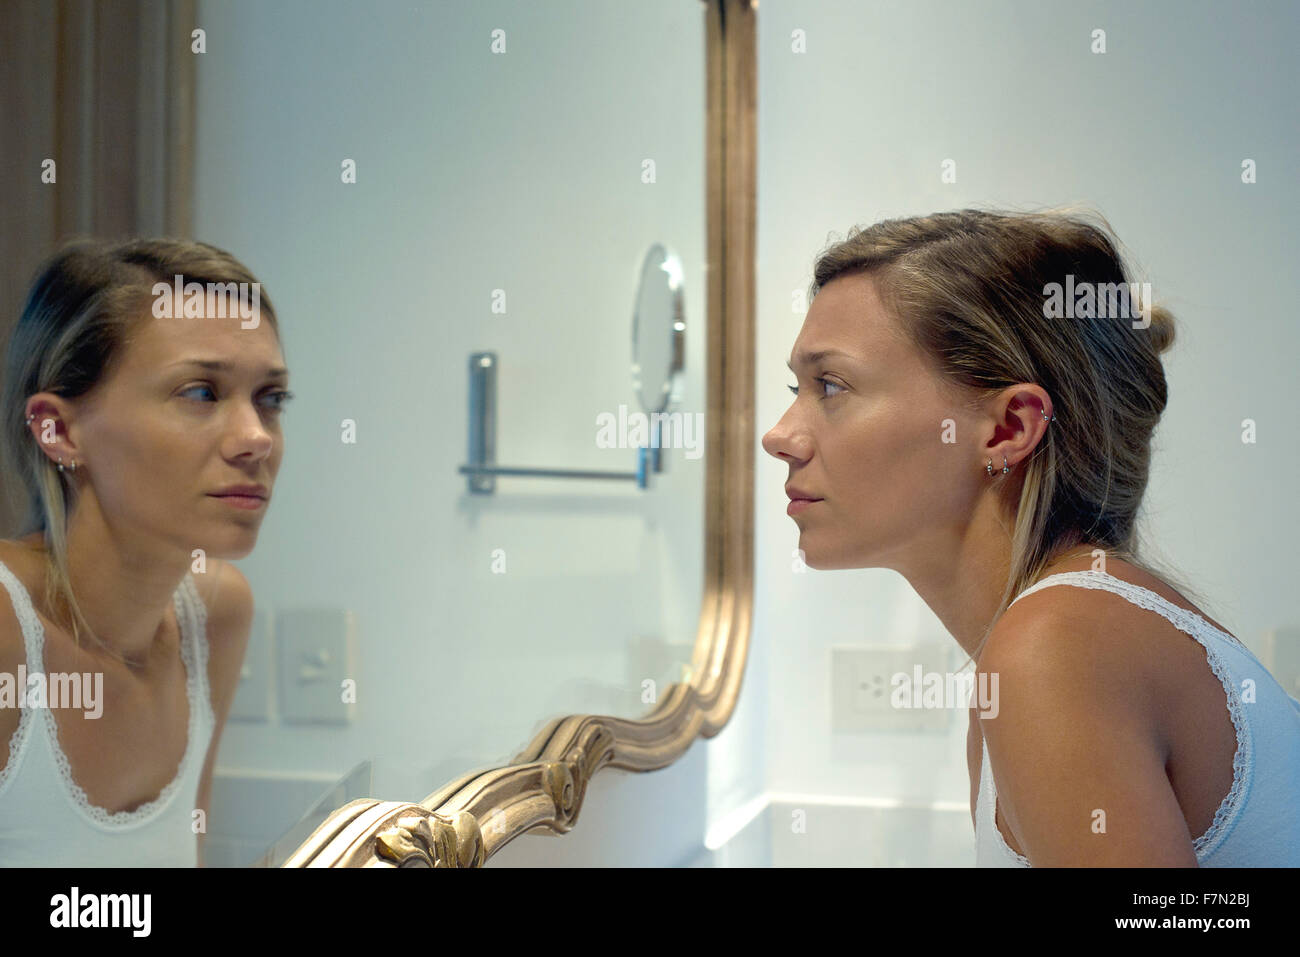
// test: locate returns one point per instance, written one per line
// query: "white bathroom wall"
(1153, 133)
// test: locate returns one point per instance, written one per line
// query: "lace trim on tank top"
(24, 615)
(191, 615)
(997, 832)
(1193, 625)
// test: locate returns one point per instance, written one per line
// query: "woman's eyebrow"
(216, 365)
(808, 358)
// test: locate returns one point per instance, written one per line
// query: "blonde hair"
(968, 289)
(83, 307)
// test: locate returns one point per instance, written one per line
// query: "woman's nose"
(247, 430)
(778, 444)
(769, 443)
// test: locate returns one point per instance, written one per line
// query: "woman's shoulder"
(1105, 605)
(228, 607)
(227, 598)
(1101, 631)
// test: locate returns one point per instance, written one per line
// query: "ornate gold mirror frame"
(469, 820)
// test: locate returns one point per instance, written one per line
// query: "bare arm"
(1079, 766)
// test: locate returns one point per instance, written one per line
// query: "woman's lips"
(798, 505)
(242, 501)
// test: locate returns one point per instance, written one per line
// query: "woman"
(138, 398)
(977, 393)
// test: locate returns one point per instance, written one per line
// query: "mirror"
(404, 211)
(658, 331)
(658, 343)
(467, 621)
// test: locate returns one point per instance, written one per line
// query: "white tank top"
(1258, 822)
(45, 817)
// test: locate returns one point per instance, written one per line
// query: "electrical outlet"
(863, 687)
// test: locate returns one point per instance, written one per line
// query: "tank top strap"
(1180, 618)
(192, 613)
(34, 662)
(33, 632)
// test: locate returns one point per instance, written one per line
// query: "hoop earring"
(989, 468)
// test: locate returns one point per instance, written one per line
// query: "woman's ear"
(1022, 413)
(48, 420)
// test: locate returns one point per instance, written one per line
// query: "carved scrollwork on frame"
(558, 779)
(566, 781)
(466, 821)
(421, 838)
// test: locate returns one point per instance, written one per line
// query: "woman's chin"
(813, 560)
(230, 546)
(824, 561)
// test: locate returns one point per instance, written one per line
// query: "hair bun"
(1161, 329)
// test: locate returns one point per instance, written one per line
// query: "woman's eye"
(278, 398)
(195, 388)
(824, 382)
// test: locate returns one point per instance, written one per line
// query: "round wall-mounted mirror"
(658, 331)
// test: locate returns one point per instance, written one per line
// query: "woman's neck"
(124, 606)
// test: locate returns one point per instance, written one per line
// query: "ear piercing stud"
(1005, 469)
(73, 467)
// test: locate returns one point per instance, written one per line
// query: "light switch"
(317, 665)
(256, 676)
